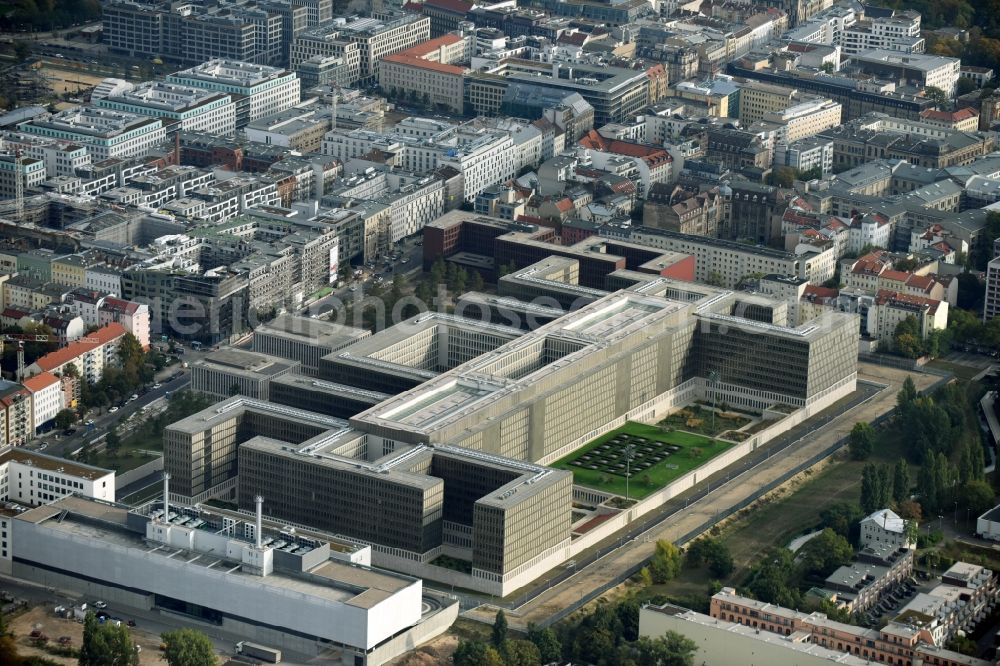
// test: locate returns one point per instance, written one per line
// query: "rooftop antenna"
(259, 501)
(166, 496)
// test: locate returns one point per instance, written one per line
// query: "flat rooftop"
(53, 464)
(245, 362)
(233, 407)
(309, 330)
(99, 521)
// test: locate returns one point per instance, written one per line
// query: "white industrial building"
(186, 107)
(33, 478)
(278, 586)
(260, 90)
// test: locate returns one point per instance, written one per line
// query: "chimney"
(166, 496)
(260, 519)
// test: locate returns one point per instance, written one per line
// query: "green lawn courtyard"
(660, 457)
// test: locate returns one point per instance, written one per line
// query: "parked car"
(100, 604)
(113, 409)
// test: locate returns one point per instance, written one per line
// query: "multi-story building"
(46, 398)
(892, 308)
(17, 426)
(805, 119)
(61, 158)
(876, 571)
(991, 306)
(251, 32)
(922, 71)
(362, 42)
(71, 270)
(90, 357)
(106, 133)
(181, 107)
(884, 527)
(134, 317)
(304, 339)
(30, 171)
(259, 90)
(291, 588)
(33, 478)
(813, 153)
(688, 211)
(231, 371)
(425, 72)
(296, 128)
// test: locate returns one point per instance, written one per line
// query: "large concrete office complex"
(256, 580)
(231, 371)
(304, 339)
(106, 133)
(259, 90)
(460, 414)
(182, 107)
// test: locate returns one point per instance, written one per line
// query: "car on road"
(113, 409)
(134, 396)
(69, 431)
(43, 446)
(100, 604)
(157, 385)
(89, 422)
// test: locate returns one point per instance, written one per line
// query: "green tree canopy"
(188, 647)
(499, 632)
(862, 441)
(666, 562)
(823, 553)
(105, 644)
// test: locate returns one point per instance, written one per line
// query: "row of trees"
(607, 636)
(47, 14)
(136, 368)
(668, 560)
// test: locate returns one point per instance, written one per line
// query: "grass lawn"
(778, 521)
(128, 456)
(668, 456)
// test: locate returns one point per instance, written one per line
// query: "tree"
(521, 653)
(671, 649)
(547, 643)
(477, 281)
(910, 510)
(113, 440)
(22, 50)
(711, 552)
(476, 653)
(843, 519)
(936, 95)
(900, 481)
(964, 86)
(188, 647)
(907, 394)
(65, 418)
(876, 490)
(105, 644)
(666, 562)
(907, 339)
(438, 271)
(862, 441)
(976, 496)
(769, 580)
(499, 635)
(822, 554)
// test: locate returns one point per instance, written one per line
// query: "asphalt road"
(102, 423)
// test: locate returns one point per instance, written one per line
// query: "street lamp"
(713, 380)
(629, 455)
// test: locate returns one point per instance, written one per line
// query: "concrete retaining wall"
(133, 475)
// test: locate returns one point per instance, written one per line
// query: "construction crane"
(21, 338)
(18, 181)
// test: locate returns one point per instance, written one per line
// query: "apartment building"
(30, 172)
(805, 119)
(61, 158)
(132, 316)
(259, 90)
(46, 398)
(17, 426)
(876, 571)
(991, 306)
(33, 478)
(891, 308)
(813, 153)
(90, 358)
(105, 132)
(181, 107)
(483, 157)
(297, 128)
(885, 527)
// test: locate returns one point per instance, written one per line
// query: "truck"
(248, 649)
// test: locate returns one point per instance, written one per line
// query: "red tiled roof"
(40, 381)
(564, 205)
(13, 313)
(420, 63)
(823, 293)
(950, 116)
(922, 282)
(898, 276)
(573, 38)
(120, 305)
(889, 297)
(423, 48)
(458, 6)
(60, 357)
